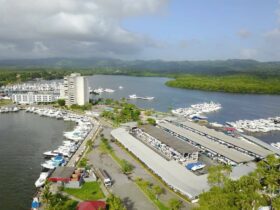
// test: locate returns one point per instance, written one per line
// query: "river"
(235, 106)
(23, 139)
(24, 136)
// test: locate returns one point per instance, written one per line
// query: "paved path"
(123, 187)
(74, 159)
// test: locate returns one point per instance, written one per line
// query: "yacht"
(42, 179)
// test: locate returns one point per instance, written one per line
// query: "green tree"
(158, 190)
(151, 121)
(115, 203)
(61, 102)
(47, 194)
(126, 166)
(175, 204)
(218, 175)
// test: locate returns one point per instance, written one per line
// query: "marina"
(260, 125)
(196, 110)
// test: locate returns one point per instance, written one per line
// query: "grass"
(5, 102)
(146, 188)
(89, 191)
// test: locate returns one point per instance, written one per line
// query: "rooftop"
(223, 150)
(171, 172)
(166, 138)
(234, 141)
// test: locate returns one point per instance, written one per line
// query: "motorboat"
(42, 179)
(35, 204)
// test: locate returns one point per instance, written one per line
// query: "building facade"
(32, 97)
(75, 90)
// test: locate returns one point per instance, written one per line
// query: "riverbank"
(245, 84)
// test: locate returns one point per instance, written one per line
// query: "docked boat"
(215, 124)
(42, 179)
(108, 90)
(276, 145)
(35, 204)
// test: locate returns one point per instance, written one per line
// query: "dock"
(79, 152)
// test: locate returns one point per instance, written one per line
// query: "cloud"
(72, 27)
(244, 33)
(248, 53)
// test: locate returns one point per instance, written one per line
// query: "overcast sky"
(141, 29)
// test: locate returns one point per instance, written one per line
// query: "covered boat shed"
(62, 174)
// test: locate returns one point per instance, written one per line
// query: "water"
(23, 139)
(24, 136)
(235, 106)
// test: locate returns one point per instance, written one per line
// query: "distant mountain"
(153, 66)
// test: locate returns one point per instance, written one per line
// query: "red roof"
(91, 205)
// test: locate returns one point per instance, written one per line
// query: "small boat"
(134, 96)
(120, 87)
(108, 90)
(276, 145)
(35, 204)
(42, 179)
(215, 124)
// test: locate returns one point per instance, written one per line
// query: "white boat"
(276, 145)
(42, 179)
(215, 124)
(120, 87)
(50, 154)
(134, 96)
(197, 167)
(108, 90)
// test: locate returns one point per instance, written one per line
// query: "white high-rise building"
(75, 90)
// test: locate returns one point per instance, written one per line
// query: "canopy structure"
(62, 174)
(91, 205)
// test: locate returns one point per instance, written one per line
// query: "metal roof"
(229, 153)
(231, 140)
(166, 138)
(173, 173)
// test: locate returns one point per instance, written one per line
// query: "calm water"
(235, 106)
(23, 139)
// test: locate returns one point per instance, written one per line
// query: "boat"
(42, 179)
(195, 166)
(134, 96)
(50, 154)
(108, 90)
(276, 145)
(120, 87)
(35, 204)
(215, 124)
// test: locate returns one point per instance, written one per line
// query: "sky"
(141, 29)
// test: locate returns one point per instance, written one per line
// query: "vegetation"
(57, 201)
(232, 83)
(83, 163)
(5, 102)
(151, 193)
(260, 188)
(122, 112)
(126, 166)
(151, 121)
(61, 102)
(89, 191)
(174, 204)
(115, 203)
(105, 147)
(85, 107)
